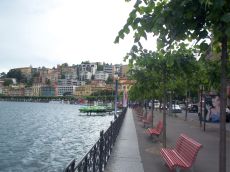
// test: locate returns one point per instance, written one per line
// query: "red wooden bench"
(148, 120)
(157, 130)
(183, 155)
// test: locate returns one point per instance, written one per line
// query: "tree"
(48, 82)
(62, 76)
(7, 82)
(100, 67)
(2, 75)
(65, 65)
(156, 73)
(85, 62)
(109, 80)
(14, 73)
(180, 20)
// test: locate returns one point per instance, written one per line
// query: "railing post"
(112, 135)
(94, 158)
(101, 161)
(72, 166)
(115, 117)
(86, 164)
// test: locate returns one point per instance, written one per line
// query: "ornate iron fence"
(97, 157)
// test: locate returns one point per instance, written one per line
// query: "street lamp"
(116, 94)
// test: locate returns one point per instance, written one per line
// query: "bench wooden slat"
(157, 130)
(184, 154)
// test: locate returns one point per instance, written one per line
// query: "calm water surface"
(45, 137)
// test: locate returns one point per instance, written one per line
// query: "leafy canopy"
(173, 21)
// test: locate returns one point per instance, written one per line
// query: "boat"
(95, 109)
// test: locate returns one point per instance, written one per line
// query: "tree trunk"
(164, 110)
(201, 98)
(145, 106)
(170, 103)
(186, 106)
(223, 100)
(152, 109)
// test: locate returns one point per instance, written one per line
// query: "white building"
(70, 82)
(1, 86)
(117, 69)
(100, 75)
(110, 69)
(36, 89)
(85, 75)
(65, 89)
(28, 91)
(90, 67)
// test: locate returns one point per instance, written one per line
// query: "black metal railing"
(97, 157)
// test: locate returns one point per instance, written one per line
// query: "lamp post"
(115, 99)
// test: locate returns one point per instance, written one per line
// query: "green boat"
(95, 109)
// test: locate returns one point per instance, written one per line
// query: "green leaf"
(135, 48)
(204, 46)
(160, 44)
(133, 14)
(126, 30)
(137, 37)
(121, 34)
(226, 18)
(170, 61)
(116, 40)
(141, 10)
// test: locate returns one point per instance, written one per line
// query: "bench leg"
(155, 138)
(192, 168)
(177, 169)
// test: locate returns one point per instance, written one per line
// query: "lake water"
(45, 137)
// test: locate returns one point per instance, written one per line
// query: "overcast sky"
(51, 32)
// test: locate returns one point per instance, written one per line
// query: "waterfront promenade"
(125, 156)
(135, 151)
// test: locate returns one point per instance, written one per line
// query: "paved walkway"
(126, 156)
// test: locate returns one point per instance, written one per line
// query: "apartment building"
(85, 75)
(101, 75)
(64, 90)
(125, 84)
(36, 89)
(18, 90)
(110, 69)
(28, 91)
(86, 71)
(69, 82)
(67, 72)
(47, 91)
(88, 90)
(117, 69)
(1, 86)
